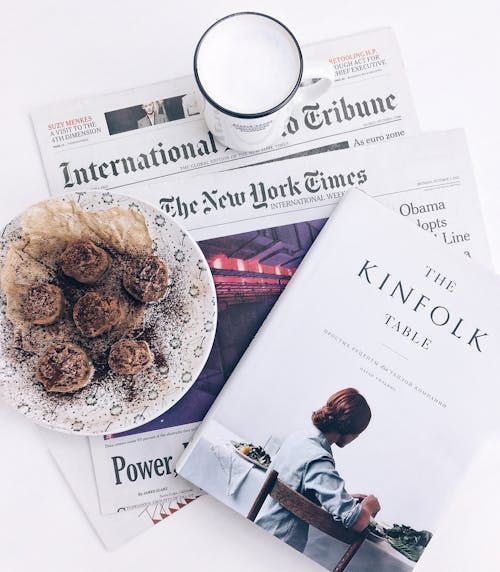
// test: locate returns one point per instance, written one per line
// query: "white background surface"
(53, 50)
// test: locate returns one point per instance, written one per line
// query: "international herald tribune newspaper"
(139, 141)
(121, 140)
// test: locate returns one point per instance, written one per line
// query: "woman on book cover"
(305, 463)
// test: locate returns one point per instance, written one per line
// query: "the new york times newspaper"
(135, 142)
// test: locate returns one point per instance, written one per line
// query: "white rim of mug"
(260, 113)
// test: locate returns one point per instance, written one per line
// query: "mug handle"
(315, 70)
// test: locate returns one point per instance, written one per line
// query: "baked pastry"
(129, 356)
(95, 314)
(64, 368)
(147, 279)
(84, 261)
(43, 304)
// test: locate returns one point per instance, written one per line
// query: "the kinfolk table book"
(374, 374)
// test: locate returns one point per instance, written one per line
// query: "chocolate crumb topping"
(147, 279)
(63, 368)
(95, 314)
(43, 304)
(129, 357)
(84, 261)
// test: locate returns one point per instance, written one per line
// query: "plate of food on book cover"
(107, 312)
(254, 454)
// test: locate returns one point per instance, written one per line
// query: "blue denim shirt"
(305, 463)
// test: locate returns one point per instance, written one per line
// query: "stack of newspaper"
(255, 216)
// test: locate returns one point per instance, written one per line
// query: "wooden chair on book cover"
(312, 514)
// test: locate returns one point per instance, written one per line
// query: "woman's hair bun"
(346, 412)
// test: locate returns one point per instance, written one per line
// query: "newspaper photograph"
(255, 225)
(117, 141)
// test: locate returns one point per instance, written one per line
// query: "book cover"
(374, 375)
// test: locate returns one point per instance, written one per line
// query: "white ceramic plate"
(184, 330)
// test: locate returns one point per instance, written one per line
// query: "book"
(379, 308)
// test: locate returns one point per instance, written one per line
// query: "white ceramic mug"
(248, 69)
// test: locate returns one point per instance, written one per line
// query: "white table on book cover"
(240, 498)
(57, 50)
